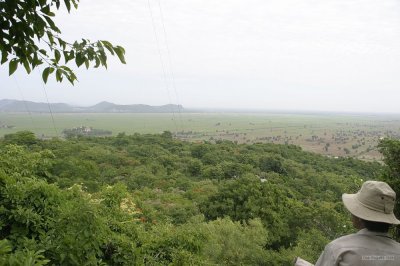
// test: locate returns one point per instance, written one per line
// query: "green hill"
(102, 107)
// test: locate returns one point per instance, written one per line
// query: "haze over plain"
(274, 55)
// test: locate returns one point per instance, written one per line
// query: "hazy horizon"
(327, 56)
(232, 110)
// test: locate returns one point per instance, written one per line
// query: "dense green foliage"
(155, 200)
(391, 150)
(30, 37)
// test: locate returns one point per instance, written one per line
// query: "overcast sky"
(330, 55)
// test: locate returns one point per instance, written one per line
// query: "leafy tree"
(195, 167)
(309, 244)
(30, 37)
(272, 163)
(232, 243)
(247, 198)
(15, 160)
(165, 244)
(390, 149)
(20, 257)
(41, 223)
(21, 138)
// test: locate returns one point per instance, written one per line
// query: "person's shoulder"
(358, 240)
(342, 241)
(333, 250)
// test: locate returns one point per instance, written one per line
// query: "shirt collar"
(365, 231)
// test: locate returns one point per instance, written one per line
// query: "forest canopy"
(154, 200)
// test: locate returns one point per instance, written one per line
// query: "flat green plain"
(328, 134)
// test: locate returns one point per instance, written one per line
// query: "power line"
(23, 100)
(170, 63)
(51, 113)
(162, 63)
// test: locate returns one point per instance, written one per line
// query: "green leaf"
(52, 24)
(57, 55)
(79, 59)
(120, 51)
(59, 75)
(121, 48)
(108, 46)
(62, 43)
(45, 74)
(36, 61)
(106, 43)
(97, 62)
(66, 56)
(50, 37)
(68, 5)
(4, 56)
(74, 2)
(45, 9)
(71, 77)
(103, 58)
(13, 65)
(71, 55)
(27, 66)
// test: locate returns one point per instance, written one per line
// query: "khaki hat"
(373, 202)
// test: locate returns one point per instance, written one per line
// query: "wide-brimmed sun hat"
(373, 202)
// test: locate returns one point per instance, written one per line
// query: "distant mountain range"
(102, 107)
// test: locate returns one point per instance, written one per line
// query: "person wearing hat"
(372, 212)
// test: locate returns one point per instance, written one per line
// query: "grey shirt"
(363, 248)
